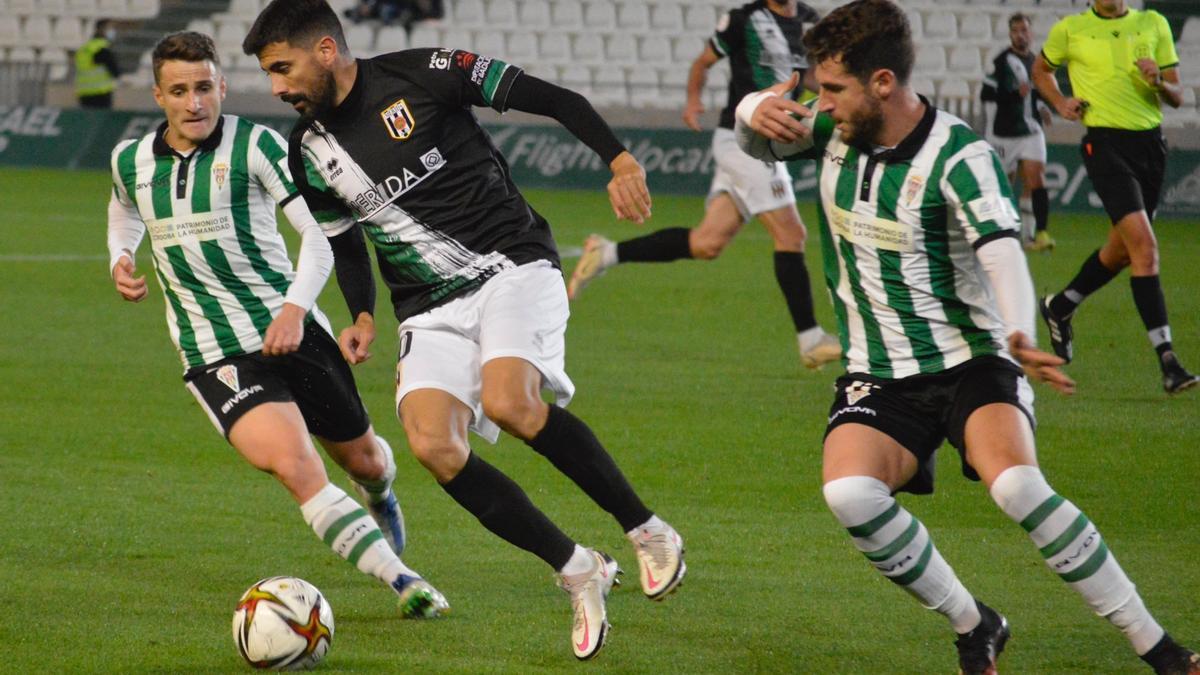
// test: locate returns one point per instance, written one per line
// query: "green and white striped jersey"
(899, 229)
(218, 255)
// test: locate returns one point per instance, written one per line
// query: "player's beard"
(864, 125)
(320, 100)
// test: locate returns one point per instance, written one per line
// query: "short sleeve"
(1164, 54)
(270, 164)
(729, 34)
(124, 173)
(1054, 50)
(458, 77)
(975, 188)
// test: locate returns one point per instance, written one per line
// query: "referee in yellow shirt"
(1122, 64)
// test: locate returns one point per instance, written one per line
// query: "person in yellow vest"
(96, 68)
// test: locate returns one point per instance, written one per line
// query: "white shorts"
(1013, 149)
(756, 186)
(520, 312)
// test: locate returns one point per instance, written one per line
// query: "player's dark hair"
(183, 46)
(867, 35)
(299, 23)
(1019, 16)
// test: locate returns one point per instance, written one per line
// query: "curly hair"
(183, 46)
(867, 35)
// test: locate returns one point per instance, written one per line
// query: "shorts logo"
(228, 376)
(219, 172)
(405, 344)
(858, 390)
(777, 189)
(399, 120)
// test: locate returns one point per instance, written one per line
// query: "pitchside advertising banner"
(677, 161)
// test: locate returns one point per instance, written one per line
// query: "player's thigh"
(273, 437)
(524, 316)
(785, 227)
(998, 436)
(721, 222)
(860, 450)
(991, 419)
(439, 352)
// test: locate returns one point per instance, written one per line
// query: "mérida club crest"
(399, 120)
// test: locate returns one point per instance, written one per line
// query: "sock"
(1041, 208)
(505, 510)
(661, 246)
(1028, 220)
(377, 489)
(1073, 548)
(898, 545)
(574, 450)
(1091, 277)
(581, 561)
(349, 530)
(653, 523)
(792, 276)
(1152, 306)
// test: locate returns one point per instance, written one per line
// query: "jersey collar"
(912, 143)
(1110, 18)
(162, 149)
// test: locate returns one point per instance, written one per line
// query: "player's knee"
(292, 467)
(708, 248)
(1017, 488)
(519, 415)
(440, 454)
(855, 500)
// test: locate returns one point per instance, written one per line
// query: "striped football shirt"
(218, 255)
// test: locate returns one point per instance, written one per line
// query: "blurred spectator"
(405, 12)
(96, 67)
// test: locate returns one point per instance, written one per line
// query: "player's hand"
(692, 112)
(1150, 71)
(355, 340)
(285, 332)
(627, 191)
(132, 288)
(778, 117)
(1070, 109)
(1024, 89)
(1039, 366)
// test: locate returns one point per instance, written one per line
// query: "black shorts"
(315, 377)
(1127, 168)
(921, 411)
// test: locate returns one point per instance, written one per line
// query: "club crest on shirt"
(219, 172)
(399, 120)
(228, 376)
(858, 390)
(913, 187)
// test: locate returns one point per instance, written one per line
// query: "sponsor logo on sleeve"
(399, 120)
(440, 59)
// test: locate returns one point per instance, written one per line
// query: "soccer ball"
(283, 623)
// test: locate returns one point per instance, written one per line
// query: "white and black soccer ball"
(283, 623)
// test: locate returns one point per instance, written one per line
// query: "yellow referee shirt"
(1101, 56)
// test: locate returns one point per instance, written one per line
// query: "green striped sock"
(349, 530)
(1073, 549)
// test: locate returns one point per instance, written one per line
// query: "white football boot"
(419, 599)
(591, 265)
(589, 592)
(660, 559)
(826, 349)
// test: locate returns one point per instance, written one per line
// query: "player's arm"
(1162, 71)
(357, 283)
(697, 76)
(975, 190)
(627, 191)
(125, 231)
(1052, 57)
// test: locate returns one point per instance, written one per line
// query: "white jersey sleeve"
(125, 225)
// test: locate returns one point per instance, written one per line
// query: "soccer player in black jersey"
(389, 147)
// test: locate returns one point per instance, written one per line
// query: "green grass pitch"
(130, 528)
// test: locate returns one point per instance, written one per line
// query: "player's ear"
(882, 83)
(159, 98)
(222, 86)
(327, 51)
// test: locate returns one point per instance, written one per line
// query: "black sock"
(1152, 306)
(792, 276)
(1041, 208)
(574, 450)
(503, 507)
(661, 246)
(1091, 277)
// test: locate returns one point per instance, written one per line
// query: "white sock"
(809, 337)
(1073, 548)
(899, 546)
(349, 530)
(608, 256)
(581, 562)
(655, 523)
(377, 490)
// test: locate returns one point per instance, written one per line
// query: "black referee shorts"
(315, 377)
(921, 411)
(1127, 168)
